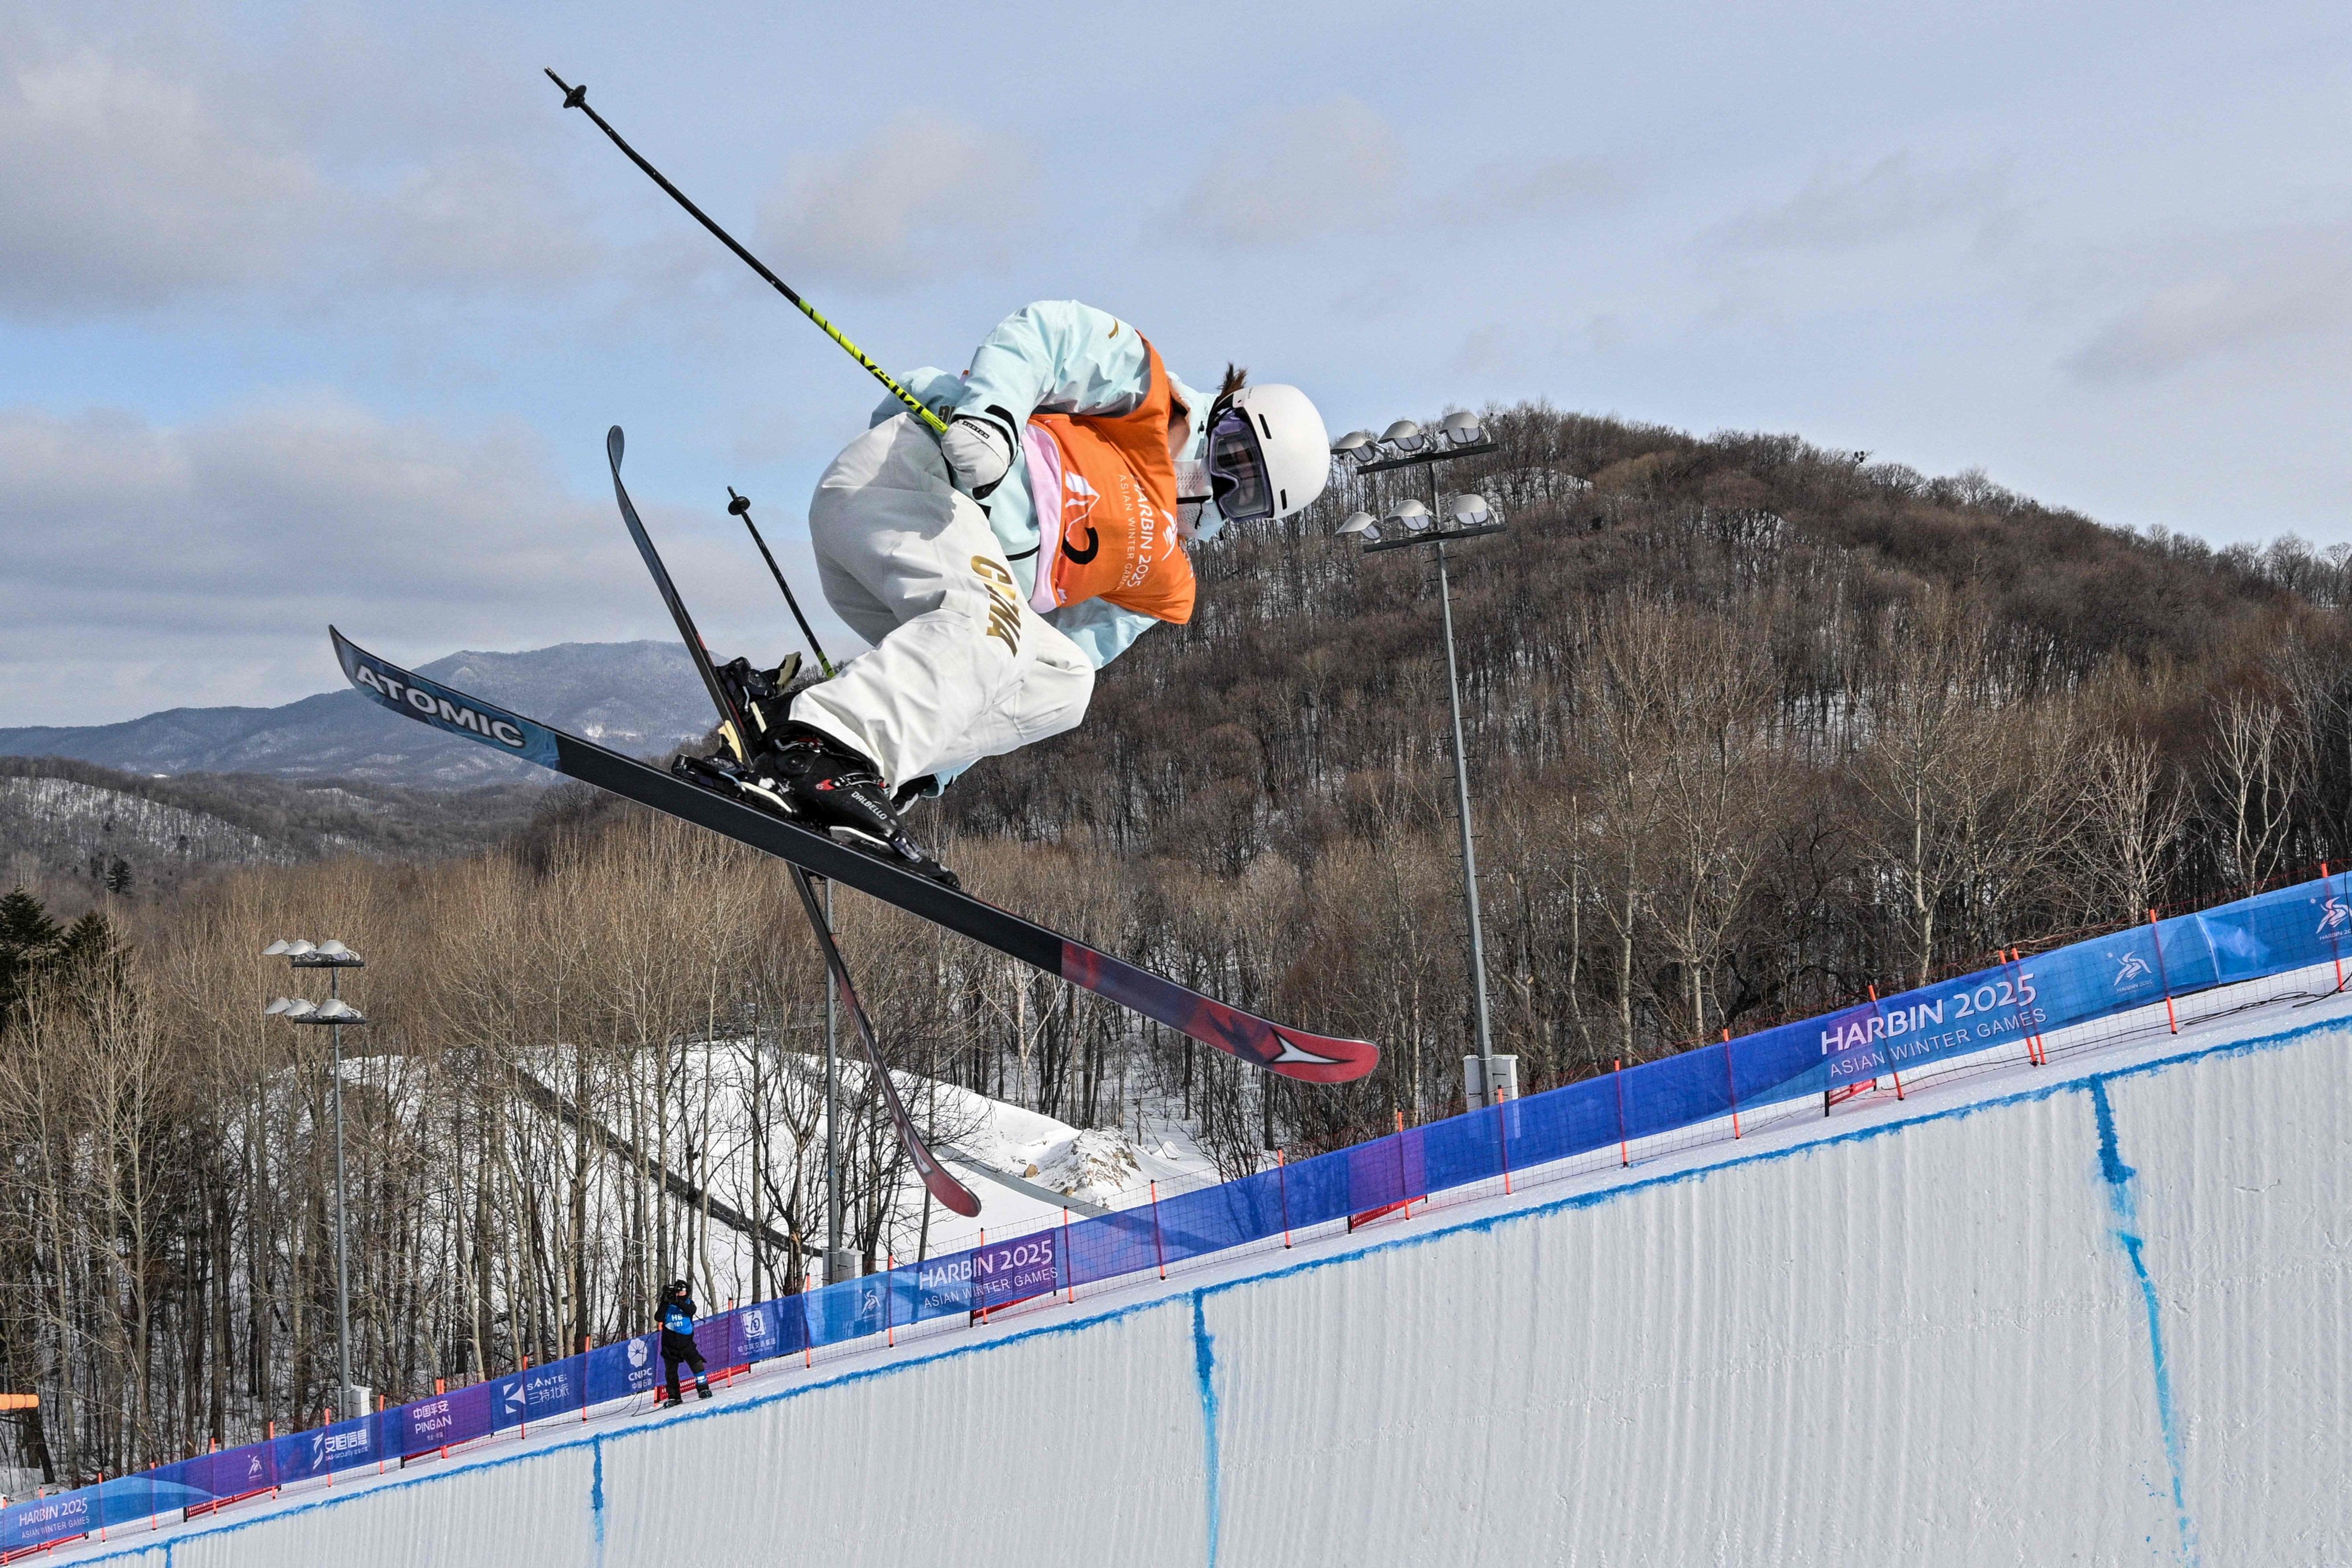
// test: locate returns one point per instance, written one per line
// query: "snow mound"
(1093, 1166)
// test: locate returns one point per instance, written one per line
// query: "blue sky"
(319, 313)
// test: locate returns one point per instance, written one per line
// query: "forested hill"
(1751, 722)
(81, 831)
(1309, 664)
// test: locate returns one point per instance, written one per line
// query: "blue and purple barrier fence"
(2272, 933)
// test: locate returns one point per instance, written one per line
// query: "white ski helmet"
(1268, 453)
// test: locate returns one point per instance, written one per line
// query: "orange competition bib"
(1106, 492)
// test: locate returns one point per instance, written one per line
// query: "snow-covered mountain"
(641, 698)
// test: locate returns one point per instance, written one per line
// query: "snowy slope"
(1048, 1160)
(2093, 1313)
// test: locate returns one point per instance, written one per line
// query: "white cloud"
(201, 562)
(916, 201)
(1335, 167)
(2275, 290)
(477, 219)
(131, 178)
(1552, 188)
(122, 188)
(1327, 168)
(1894, 198)
(214, 521)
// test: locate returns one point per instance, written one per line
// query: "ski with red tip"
(1284, 1052)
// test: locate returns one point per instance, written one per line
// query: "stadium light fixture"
(1470, 510)
(1409, 514)
(335, 1012)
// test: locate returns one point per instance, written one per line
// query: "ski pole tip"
(741, 506)
(573, 97)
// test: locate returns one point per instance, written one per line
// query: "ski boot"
(702, 1387)
(759, 696)
(820, 783)
(838, 789)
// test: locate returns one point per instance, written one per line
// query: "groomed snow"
(2097, 1312)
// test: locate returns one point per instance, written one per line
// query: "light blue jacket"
(1057, 356)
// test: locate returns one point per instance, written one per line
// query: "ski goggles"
(1237, 476)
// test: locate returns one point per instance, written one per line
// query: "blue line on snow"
(2119, 1177)
(596, 1495)
(1204, 1366)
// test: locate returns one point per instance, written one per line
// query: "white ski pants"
(961, 667)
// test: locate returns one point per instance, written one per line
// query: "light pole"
(1405, 445)
(839, 1262)
(334, 958)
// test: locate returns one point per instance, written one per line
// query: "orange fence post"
(2033, 1035)
(1068, 1273)
(1282, 1185)
(1405, 1184)
(2156, 934)
(1732, 1079)
(1617, 1071)
(1890, 1065)
(1503, 1143)
(1159, 1249)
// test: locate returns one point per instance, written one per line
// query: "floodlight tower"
(1436, 524)
(335, 1012)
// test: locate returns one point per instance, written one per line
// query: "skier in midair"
(676, 1311)
(996, 568)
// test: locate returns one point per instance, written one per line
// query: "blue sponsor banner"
(301, 1456)
(231, 1472)
(849, 1310)
(628, 1366)
(298, 1456)
(44, 1520)
(552, 1390)
(766, 1329)
(508, 1402)
(443, 1421)
(1008, 1271)
(1913, 1028)
(977, 1280)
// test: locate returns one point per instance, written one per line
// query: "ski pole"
(742, 507)
(577, 97)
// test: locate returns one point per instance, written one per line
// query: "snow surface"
(2096, 1313)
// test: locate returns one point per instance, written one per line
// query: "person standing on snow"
(996, 568)
(676, 1310)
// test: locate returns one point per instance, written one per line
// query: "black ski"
(952, 1193)
(1287, 1053)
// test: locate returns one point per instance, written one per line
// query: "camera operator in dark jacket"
(677, 1338)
